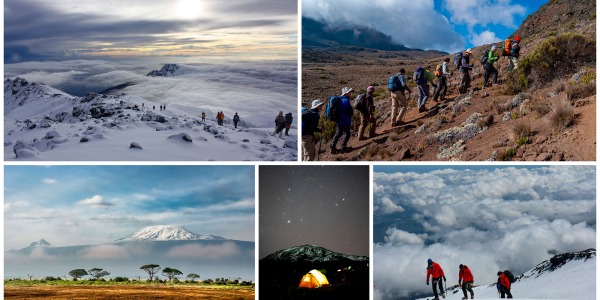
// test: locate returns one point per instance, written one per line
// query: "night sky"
(326, 206)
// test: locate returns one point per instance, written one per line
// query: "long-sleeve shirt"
(491, 57)
(435, 271)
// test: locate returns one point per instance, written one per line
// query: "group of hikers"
(465, 281)
(340, 109)
(282, 122)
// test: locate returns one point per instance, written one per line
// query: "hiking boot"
(334, 150)
(443, 295)
(436, 298)
(464, 298)
(422, 109)
(472, 296)
(345, 149)
(361, 138)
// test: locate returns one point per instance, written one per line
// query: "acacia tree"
(98, 273)
(171, 273)
(77, 273)
(193, 276)
(151, 269)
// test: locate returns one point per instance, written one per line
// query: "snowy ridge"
(565, 276)
(43, 123)
(166, 233)
(310, 253)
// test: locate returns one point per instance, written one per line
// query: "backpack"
(510, 276)
(458, 60)
(420, 76)
(332, 111)
(506, 49)
(360, 103)
(394, 84)
(438, 70)
(484, 57)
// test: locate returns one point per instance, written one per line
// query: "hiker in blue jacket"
(344, 121)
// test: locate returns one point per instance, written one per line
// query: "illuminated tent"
(313, 279)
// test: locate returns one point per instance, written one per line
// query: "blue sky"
(446, 25)
(69, 205)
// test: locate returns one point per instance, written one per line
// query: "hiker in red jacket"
(504, 285)
(466, 277)
(437, 274)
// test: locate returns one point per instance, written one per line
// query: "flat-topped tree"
(171, 273)
(98, 273)
(151, 269)
(77, 273)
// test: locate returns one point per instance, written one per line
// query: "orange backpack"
(506, 49)
(438, 70)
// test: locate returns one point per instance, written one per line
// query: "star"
(289, 221)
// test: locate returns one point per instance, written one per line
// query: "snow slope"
(43, 123)
(573, 278)
(166, 233)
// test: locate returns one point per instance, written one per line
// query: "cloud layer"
(490, 220)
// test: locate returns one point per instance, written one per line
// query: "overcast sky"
(78, 205)
(189, 29)
(489, 218)
(446, 25)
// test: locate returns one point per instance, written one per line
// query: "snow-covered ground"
(575, 280)
(46, 124)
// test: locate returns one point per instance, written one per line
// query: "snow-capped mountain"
(310, 253)
(166, 233)
(40, 243)
(564, 276)
(43, 123)
(166, 71)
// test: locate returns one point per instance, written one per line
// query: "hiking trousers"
(365, 120)
(423, 95)
(440, 90)
(399, 106)
(287, 127)
(505, 292)
(308, 147)
(513, 62)
(489, 70)
(466, 286)
(465, 82)
(435, 283)
(341, 129)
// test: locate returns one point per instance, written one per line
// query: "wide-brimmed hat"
(346, 90)
(316, 103)
(469, 51)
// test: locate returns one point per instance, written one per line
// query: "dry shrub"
(578, 91)
(540, 105)
(375, 152)
(485, 121)
(562, 116)
(506, 154)
(394, 136)
(521, 129)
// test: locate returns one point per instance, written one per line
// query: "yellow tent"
(313, 279)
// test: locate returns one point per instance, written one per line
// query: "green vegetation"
(554, 58)
(171, 273)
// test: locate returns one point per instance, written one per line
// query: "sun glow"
(189, 9)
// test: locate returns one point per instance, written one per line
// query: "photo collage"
(305, 149)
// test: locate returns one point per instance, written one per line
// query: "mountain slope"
(43, 123)
(565, 276)
(310, 254)
(166, 233)
(318, 34)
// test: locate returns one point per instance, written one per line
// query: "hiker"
(513, 54)
(437, 274)
(310, 125)
(222, 117)
(236, 119)
(343, 121)
(219, 118)
(160, 107)
(465, 275)
(442, 73)
(488, 65)
(364, 104)
(465, 68)
(422, 78)
(279, 124)
(288, 122)
(203, 117)
(399, 100)
(503, 285)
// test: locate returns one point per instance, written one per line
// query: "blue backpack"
(484, 58)
(394, 84)
(332, 111)
(420, 76)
